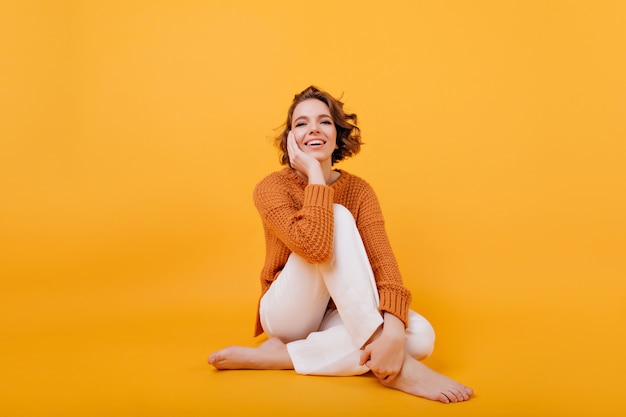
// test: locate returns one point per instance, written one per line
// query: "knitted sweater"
(298, 217)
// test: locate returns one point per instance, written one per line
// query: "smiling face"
(314, 129)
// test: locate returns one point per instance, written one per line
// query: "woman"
(333, 301)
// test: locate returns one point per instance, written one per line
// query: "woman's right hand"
(303, 163)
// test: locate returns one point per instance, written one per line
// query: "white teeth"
(315, 142)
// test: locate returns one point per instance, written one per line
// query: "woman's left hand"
(385, 355)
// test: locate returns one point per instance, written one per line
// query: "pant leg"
(350, 280)
(330, 351)
(335, 348)
(420, 336)
(295, 303)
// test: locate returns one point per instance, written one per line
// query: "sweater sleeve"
(395, 298)
(305, 227)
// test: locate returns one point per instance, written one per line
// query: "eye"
(300, 124)
(327, 122)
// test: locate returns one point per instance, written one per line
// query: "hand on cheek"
(303, 163)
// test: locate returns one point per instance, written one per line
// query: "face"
(314, 129)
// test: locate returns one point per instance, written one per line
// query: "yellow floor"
(137, 347)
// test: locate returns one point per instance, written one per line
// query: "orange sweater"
(298, 217)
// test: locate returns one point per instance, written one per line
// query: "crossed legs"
(414, 378)
(304, 336)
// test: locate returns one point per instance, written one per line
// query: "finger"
(290, 142)
(384, 377)
(389, 378)
(365, 356)
(292, 149)
(298, 145)
(294, 141)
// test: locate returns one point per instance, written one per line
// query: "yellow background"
(133, 132)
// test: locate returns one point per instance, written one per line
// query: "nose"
(313, 128)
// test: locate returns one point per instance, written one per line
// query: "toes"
(458, 394)
(444, 398)
(216, 359)
(464, 393)
(459, 391)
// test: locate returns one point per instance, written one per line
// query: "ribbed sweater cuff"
(318, 195)
(396, 305)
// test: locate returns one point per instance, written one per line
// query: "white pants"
(323, 341)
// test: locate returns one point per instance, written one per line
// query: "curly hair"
(348, 134)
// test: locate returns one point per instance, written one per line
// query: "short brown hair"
(348, 134)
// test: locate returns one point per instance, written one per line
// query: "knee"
(341, 213)
(344, 220)
(420, 337)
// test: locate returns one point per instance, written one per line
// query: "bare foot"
(272, 354)
(418, 379)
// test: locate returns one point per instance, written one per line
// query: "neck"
(327, 170)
